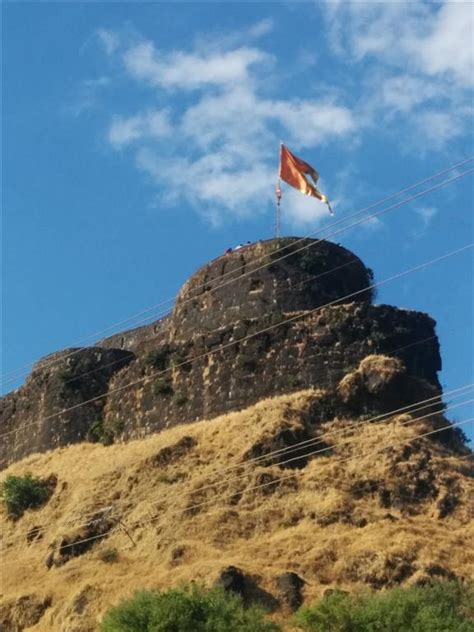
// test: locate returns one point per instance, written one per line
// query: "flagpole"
(278, 209)
(278, 200)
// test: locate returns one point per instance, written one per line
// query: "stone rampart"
(208, 356)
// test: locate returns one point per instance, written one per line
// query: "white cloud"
(191, 71)
(214, 183)
(108, 40)
(301, 210)
(146, 125)
(99, 82)
(228, 122)
(440, 127)
(235, 165)
(88, 94)
(310, 122)
(448, 47)
(402, 93)
(230, 132)
(421, 58)
(427, 214)
(258, 30)
(431, 38)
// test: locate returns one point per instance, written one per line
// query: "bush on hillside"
(438, 607)
(20, 493)
(188, 609)
(108, 555)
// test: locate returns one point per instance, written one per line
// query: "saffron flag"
(296, 172)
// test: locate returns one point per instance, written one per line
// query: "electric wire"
(240, 340)
(143, 523)
(342, 220)
(277, 293)
(407, 410)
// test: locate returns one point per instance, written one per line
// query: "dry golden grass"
(325, 521)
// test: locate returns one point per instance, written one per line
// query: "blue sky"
(141, 140)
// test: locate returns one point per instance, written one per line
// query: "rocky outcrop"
(19, 614)
(248, 325)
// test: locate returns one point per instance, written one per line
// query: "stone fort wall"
(196, 362)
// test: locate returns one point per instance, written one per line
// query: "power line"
(375, 484)
(248, 337)
(342, 220)
(310, 245)
(308, 280)
(142, 523)
(408, 409)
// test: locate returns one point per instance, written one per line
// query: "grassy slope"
(311, 524)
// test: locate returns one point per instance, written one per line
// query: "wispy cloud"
(190, 71)
(258, 30)
(229, 129)
(88, 94)
(146, 125)
(426, 215)
(212, 140)
(109, 40)
(434, 39)
(422, 62)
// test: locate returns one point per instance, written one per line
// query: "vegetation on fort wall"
(97, 433)
(166, 357)
(163, 386)
(20, 493)
(321, 260)
(180, 399)
(159, 359)
(188, 609)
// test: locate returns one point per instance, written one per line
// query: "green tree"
(187, 609)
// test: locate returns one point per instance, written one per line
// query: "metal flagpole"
(278, 198)
(278, 209)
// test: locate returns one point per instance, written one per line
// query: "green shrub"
(108, 555)
(64, 374)
(20, 493)
(163, 386)
(159, 358)
(246, 363)
(293, 381)
(437, 607)
(180, 399)
(98, 434)
(189, 609)
(178, 358)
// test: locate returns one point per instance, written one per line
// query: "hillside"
(276, 432)
(201, 497)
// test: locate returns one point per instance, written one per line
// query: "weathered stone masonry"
(193, 364)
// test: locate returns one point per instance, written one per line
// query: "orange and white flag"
(296, 172)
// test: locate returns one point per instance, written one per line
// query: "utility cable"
(408, 409)
(342, 220)
(240, 340)
(143, 523)
(218, 329)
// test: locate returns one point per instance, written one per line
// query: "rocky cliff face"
(224, 346)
